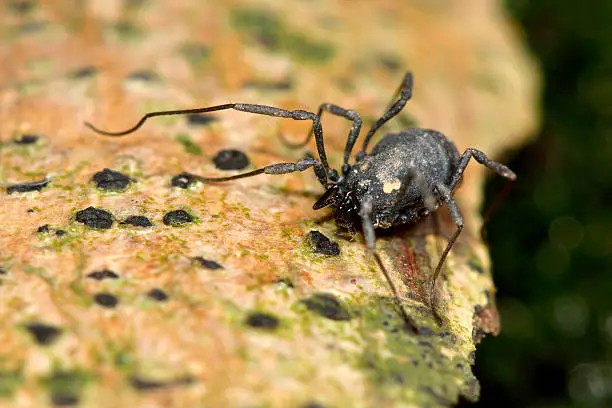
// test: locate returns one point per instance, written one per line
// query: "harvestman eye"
(405, 177)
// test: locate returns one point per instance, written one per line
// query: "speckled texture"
(209, 343)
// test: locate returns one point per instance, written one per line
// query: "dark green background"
(551, 241)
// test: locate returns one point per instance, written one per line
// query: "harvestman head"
(405, 177)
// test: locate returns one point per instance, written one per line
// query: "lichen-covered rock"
(254, 317)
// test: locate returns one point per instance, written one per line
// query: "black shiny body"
(381, 173)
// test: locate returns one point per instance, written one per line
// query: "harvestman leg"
(353, 133)
(482, 159)
(447, 192)
(368, 232)
(456, 216)
(249, 108)
(429, 199)
(275, 169)
(405, 93)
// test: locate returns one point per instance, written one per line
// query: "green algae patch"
(188, 144)
(126, 32)
(308, 50)
(195, 54)
(124, 359)
(9, 382)
(41, 67)
(271, 33)
(397, 362)
(265, 27)
(66, 385)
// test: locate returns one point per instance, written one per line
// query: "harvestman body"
(405, 177)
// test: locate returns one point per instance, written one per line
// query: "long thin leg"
(456, 216)
(368, 232)
(429, 199)
(243, 107)
(353, 133)
(405, 93)
(482, 159)
(338, 111)
(278, 168)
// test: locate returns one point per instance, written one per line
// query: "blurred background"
(553, 243)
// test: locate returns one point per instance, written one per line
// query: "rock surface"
(250, 333)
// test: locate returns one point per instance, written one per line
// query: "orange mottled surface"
(251, 333)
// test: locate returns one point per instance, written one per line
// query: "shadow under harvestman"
(407, 175)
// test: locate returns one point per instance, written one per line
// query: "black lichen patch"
(31, 27)
(43, 334)
(144, 384)
(21, 7)
(157, 294)
(448, 337)
(207, 263)
(106, 300)
(103, 274)
(137, 221)
(26, 139)
(326, 305)
(144, 75)
(322, 244)
(262, 321)
(27, 187)
(425, 344)
(111, 180)
(425, 331)
(391, 63)
(231, 159)
(64, 400)
(177, 218)
(183, 180)
(95, 218)
(43, 229)
(60, 233)
(84, 72)
(201, 119)
(476, 265)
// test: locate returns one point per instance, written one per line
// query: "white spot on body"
(390, 186)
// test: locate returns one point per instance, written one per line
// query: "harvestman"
(405, 177)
